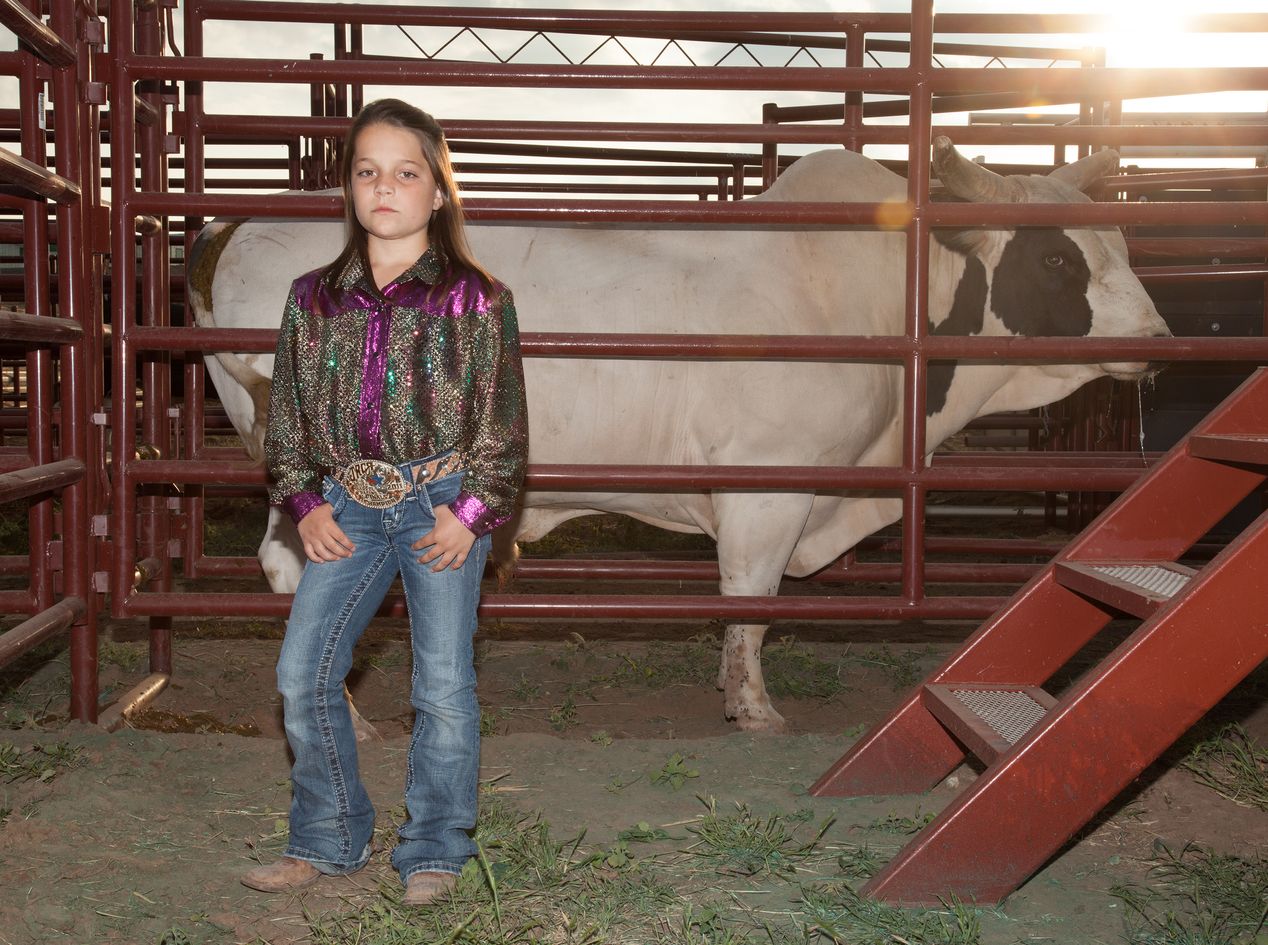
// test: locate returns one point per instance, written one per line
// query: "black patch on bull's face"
(1040, 285)
(1039, 288)
(966, 318)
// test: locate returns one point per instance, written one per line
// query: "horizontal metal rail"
(630, 21)
(630, 346)
(595, 607)
(457, 130)
(234, 457)
(33, 31)
(38, 329)
(1251, 272)
(228, 566)
(38, 479)
(1107, 82)
(36, 180)
(544, 477)
(863, 572)
(32, 632)
(800, 214)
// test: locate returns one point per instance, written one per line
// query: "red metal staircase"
(1053, 763)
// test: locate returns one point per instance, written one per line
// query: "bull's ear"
(967, 242)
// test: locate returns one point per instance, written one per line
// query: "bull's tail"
(504, 555)
(259, 388)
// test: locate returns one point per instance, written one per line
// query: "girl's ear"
(439, 200)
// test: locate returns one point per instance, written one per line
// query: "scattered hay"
(1233, 765)
(841, 915)
(1198, 898)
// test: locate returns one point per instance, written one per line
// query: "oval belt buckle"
(374, 483)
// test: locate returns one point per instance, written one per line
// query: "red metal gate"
(149, 457)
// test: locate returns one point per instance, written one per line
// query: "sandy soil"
(142, 840)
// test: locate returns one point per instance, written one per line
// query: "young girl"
(397, 438)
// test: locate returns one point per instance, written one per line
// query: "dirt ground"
(140, 836)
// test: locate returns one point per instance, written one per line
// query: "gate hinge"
(101, 526)
(94, 93)
(93, 31)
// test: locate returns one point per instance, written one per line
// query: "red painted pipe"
(598, 607)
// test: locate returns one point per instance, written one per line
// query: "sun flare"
(1146, 33)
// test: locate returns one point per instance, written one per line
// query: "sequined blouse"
(398, 375)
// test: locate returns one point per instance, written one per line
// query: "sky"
(1141, 33)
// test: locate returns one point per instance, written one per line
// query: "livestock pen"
(116, 438)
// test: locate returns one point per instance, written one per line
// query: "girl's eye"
(365, 172)
(1054, 261)
(408, 174)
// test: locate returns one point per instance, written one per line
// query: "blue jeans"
(332, 819)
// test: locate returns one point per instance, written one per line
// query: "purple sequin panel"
(300, 504)
(373, 369)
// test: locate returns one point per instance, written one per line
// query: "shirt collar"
(428, 269)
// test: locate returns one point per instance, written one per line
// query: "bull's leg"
(756, 536)
(282, 558)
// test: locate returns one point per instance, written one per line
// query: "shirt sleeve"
(294, 478)
(498, 448)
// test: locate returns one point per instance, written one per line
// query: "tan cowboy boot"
(285, 875)
(423, 889)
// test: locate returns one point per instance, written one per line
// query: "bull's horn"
(1088, 171)
(970, 181)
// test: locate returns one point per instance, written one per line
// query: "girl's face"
(393, 191)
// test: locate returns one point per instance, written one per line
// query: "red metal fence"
(157, 445)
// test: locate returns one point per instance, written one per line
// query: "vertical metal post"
(195, 374)
(855, 51)
(123, 299)
(770, 149)
(355, 49)
(36, 258)
(341, 52)
(915, 363)
(156, 367)
(315, 175)
(72, 273)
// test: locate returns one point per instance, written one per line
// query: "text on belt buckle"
(374, 483)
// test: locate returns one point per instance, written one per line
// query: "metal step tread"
(1134, 587)
(1234, 448)
(1159, 579)
(989, 718)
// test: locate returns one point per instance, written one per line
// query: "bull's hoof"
(765, 721)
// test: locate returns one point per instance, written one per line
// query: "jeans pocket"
(332, 491)
(443, 491)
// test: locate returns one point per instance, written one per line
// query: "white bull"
(1027, 281)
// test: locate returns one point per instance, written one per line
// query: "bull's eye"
(1054, 261)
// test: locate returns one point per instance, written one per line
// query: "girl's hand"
(450, 541)
(323, 539)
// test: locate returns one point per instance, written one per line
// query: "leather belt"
(379, 485)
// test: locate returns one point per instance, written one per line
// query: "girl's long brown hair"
(445, 233)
